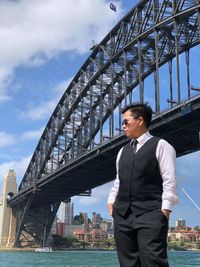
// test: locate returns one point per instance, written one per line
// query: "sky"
(42, 46)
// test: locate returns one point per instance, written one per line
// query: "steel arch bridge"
(77, 149)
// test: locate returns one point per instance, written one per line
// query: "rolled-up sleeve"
(166, 156)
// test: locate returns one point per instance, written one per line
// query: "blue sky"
(43, 44)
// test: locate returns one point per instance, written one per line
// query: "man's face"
(132, 125)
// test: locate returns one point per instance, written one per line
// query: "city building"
(108, 227)
(67, 212)
(180, 223)
(71, 228)
(95, 235)
(60, 229)
(183, 236)
(85, 218)
(96, 220)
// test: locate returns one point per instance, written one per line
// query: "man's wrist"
(167, 210)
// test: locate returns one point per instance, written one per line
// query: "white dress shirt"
(166, 157)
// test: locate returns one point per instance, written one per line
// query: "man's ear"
(141, 121)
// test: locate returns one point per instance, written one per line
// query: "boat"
(44, 249)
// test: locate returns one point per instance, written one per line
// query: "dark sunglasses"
(127, 121)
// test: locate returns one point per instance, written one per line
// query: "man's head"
(136, 119)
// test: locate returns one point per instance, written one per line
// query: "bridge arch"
(152, 34)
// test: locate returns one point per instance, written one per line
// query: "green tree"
(78, 219)
(58, 241)
(67, 242)
(198, 244)
(197, 228)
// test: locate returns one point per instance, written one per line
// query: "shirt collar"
(143, 138)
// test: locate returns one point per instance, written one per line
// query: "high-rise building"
(67, 212)
(180, 223)
(85, 218)
(96, 220)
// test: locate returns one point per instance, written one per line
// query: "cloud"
(99, 194)
(33, 134)
(6, 139)
(5, 81)
(42, 111)
(45, 109)
(62, 86)
(186, 169)
(31, 32)
(19, 166)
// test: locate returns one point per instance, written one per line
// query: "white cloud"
(186, 167)
(6, 139)
(19, 166)
(44, 110)
(62, 86)
(33, 134)
(99, 194)
(32, 32)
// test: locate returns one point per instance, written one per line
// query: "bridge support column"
(7, 216)
(34, 222)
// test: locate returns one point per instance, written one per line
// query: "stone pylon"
(7, 216)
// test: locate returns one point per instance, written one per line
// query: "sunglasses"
(126, 122)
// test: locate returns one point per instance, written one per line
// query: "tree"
(58, 241)
(197, 228)
(67, 242)
(78, 219)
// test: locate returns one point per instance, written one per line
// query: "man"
(144, 192)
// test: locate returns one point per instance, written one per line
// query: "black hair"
(140, 110)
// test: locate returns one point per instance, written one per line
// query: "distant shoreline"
(17, 249)
(78, 249)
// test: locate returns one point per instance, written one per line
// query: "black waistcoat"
(140, 180)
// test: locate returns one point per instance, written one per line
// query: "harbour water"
(85, 259)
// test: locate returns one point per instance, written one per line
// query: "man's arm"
(114, 190)
(166, 157)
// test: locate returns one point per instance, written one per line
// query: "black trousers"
(141, 241)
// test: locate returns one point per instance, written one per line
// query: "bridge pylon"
(7, 214)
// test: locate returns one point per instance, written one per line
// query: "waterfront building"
(180, 223)
(96, 235)
(60, 229)
(71, 228)
(183, 236)
(82, 235)
(106, 225)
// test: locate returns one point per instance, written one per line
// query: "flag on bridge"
(113, 7)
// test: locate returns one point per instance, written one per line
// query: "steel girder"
(88, 114)
(34, 222)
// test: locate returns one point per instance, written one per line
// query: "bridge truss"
(128, 65)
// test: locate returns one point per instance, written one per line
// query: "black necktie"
(134, 145)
